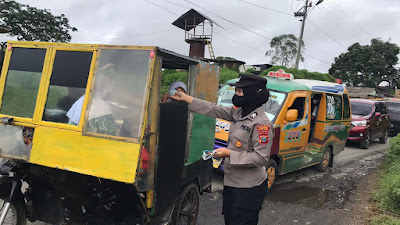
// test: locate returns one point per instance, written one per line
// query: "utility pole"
(304, 15)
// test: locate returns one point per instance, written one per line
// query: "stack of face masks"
(208, 154)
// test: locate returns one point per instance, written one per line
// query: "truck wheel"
(186, 209)
(366, 142)
(16, 214)
(325, 161)
(384, 138)
(272, 172)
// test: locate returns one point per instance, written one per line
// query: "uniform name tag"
(246, 128)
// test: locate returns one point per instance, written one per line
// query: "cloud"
(139, 22)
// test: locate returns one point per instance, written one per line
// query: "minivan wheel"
(384, 138)
(325, 161)
(366, 142)
(272, 173)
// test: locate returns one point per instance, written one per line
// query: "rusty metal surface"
(205, 81)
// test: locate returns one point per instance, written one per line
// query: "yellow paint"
(149, 199)
(69, 46)
(69, 150)
(220, 132)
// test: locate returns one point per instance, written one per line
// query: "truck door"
(294, 135)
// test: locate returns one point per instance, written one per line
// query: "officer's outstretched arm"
(205, 107)
(210, 109)
(262, 136)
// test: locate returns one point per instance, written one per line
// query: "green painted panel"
(203, 136)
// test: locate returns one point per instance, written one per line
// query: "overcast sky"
(332, 26)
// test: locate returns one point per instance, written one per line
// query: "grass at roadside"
(388, 195)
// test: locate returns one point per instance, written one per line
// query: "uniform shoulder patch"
(263, 132)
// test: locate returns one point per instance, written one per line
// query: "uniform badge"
(253, 115)
(263, 132)
(238, 144)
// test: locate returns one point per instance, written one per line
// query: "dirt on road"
(342, 195)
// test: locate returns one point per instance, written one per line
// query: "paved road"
(352, 160)
(334, 185)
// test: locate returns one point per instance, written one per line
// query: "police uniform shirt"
(250, 140)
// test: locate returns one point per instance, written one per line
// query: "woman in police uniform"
(248, 151)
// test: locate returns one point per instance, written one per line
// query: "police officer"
(249, 147)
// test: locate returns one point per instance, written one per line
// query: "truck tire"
(16, 215)
(186, 208)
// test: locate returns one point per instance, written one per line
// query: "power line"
(334, 18)
(239, 25)
(326, 33)
(349, 28)
(352, 19)
(348, 21)
(174, 3)
(161, 7)
(260, 6)
(256, 49)
(131, 36)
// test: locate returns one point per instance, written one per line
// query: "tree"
(367, 65)
(284, 49)
(33, 24)
(301, 74)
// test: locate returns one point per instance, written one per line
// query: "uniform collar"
(251, 116)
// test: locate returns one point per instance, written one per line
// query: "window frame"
(342, 108)
(346, 96)
(41, 105)
(4, 74)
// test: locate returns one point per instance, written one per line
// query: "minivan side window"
(346, 107)
(299, 104)
(333, 107)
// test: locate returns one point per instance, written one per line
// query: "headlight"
(359, 123)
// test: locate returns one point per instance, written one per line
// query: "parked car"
(370, 120)
(394, 113)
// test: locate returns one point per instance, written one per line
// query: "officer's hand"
(182, 96)
(222, 153)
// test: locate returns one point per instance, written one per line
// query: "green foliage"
(33, 24)
(301, 74)
(385, 220)
(367, 65)
(388, 196)
(284, 49)
(227, 74)
(250, 70)
(169, 76)
(225, 58)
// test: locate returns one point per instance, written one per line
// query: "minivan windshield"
(362, 109)
(272, 107)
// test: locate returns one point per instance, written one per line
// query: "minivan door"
(294, 135)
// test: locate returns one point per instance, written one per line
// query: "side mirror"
(377, 114)
(291, 115)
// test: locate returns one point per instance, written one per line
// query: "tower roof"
(192, 17)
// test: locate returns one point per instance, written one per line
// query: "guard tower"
(198, 32)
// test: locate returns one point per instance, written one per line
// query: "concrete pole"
(301, 35)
